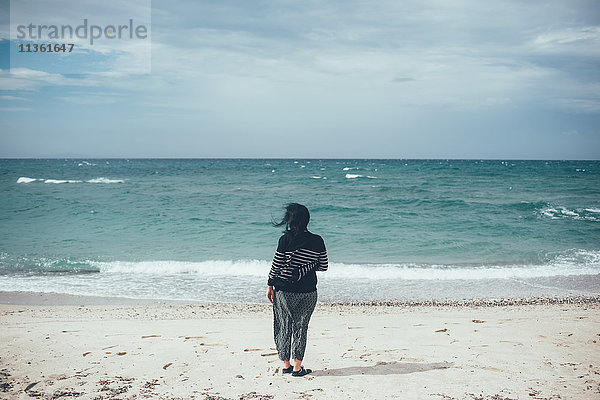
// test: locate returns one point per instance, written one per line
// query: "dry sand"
(225, 351)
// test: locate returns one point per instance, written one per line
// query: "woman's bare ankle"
(297, 364)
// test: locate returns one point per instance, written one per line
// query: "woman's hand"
(270, 293)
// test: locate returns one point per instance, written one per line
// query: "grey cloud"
(231, 76)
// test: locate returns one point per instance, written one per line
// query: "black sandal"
(288, 370)
(301, 372)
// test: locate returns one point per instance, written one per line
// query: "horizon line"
(299, 158)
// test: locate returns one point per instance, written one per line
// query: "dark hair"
(295, 219)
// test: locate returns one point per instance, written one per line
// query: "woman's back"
(297, 250)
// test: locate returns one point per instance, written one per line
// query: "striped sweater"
(296, 261)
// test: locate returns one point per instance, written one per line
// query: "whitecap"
(568, 212)
(549, 212)
(105, 180)
(25, 179)
(60, 181)
(354, 176)
(563, 212)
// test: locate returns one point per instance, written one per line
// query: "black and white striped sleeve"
(277, 265)
(279, 262)
(323, 262)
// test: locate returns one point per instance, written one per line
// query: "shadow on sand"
(384, 368)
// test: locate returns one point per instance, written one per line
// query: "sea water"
(200, 229)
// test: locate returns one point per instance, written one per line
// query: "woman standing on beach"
(293, 285)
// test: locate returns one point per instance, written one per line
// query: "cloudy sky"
(356, 79)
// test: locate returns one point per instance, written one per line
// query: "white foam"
(60, 181)
(579, 262)
(25, 179)
(348, 168)
(207, 268)
(593, 210)
(549, 212)
(560, 212)
(105, 180)
(354, 176)
(412, 272)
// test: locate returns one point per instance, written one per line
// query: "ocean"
(396, 230)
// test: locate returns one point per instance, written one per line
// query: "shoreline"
(58, 299)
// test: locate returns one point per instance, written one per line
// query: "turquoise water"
(395, 229)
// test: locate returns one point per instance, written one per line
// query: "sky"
(317, 79)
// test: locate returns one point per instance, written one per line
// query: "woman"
(293, 286)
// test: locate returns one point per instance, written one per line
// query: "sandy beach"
(75, 347)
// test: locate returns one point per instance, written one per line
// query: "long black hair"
(295, 219)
